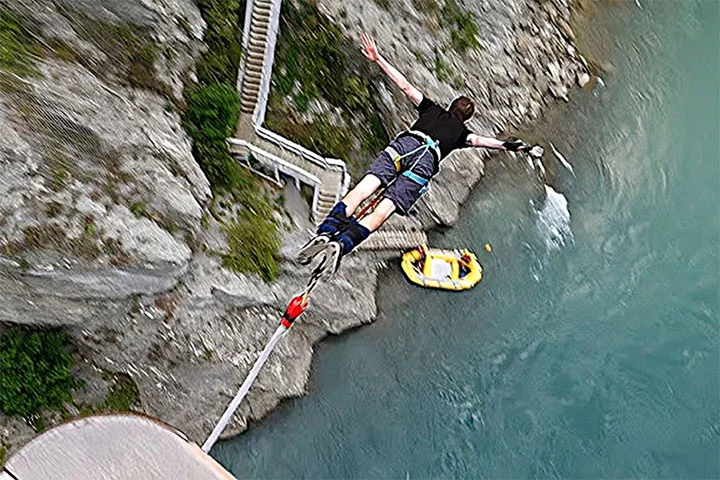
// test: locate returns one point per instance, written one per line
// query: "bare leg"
(381, 213)
(367, 186)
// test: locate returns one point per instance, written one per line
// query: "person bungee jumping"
(405, 167)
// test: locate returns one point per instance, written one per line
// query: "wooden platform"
(112, 447)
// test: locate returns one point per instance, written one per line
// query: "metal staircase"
(261, 28)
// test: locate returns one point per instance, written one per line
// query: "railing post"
(316, 199)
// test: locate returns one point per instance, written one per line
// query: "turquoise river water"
(591, 347)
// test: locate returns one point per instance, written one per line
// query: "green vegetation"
(124, 395)
(428, 7)
(461, 23)
(252, 236)
(139, 209)
(212, 116)
(52, 236)
(59, 177)
(252, 245)
(314, 61)
(18, 50)
(223, 37)
(3, 456)
(35, 372)
(443, 72)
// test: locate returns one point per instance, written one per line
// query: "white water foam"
(562, 159)
(553, 222)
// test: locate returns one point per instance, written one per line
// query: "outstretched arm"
(512, 144)
(486, 142)
(370, 50)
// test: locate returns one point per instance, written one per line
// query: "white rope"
(244, 388)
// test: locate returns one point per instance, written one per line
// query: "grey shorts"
(404, 188)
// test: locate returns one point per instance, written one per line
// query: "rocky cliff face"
(103, 209)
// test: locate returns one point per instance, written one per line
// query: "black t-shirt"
(437, 123)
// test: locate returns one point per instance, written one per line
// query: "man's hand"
(514, 145)
(368, 47)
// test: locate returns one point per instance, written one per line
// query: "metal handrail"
(304, 175)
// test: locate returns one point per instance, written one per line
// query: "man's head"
(462, 108)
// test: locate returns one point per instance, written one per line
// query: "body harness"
(429, 145)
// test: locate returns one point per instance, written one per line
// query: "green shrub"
(35, 372)
(253, 245)
(139, 209)
(213, 112)
(212, 116)
(18, 50)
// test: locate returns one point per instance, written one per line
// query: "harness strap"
(395, 156)
(430, 145)
(425, 138)
(415, 178)
(423, 182)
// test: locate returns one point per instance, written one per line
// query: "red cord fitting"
(295, 308)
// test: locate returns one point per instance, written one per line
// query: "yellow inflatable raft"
(445, 269)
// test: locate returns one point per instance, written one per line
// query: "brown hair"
(462, 108)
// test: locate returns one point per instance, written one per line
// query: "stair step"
(257, 37)
(251, 93)
(254, 70)
(250, 85)
(256, 54)
(260, 24)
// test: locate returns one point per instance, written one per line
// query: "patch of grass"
(24, 264)
(38, 237)
(113, 249)
(428, 7)
(124, 395)
(89, 228)
(18, 49)
(253, 245)
(139, 209)
(59, 177)
(141, 72)
(461, 23)
(52, 237)
(440, 68)
(35, 372)
(3, 456)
